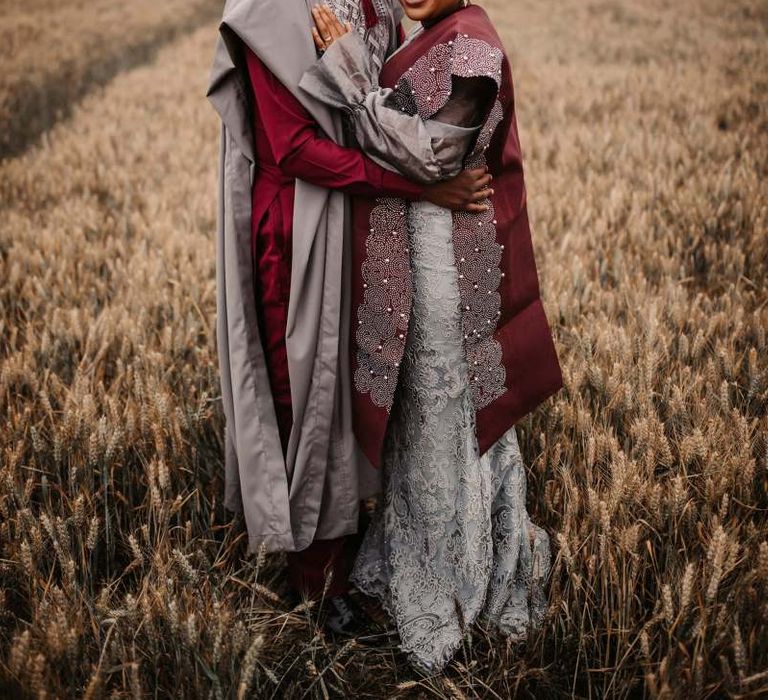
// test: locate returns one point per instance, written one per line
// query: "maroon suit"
(289, 146)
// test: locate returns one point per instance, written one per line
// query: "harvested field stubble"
(644, 129)
(53, 52)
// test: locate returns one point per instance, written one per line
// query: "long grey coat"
(314, 492)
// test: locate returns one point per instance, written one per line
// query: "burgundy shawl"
(507, 339)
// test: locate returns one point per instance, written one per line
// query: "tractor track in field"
(37, 94)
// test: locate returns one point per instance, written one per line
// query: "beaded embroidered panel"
(383, 314)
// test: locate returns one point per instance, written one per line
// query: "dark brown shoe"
(343, 616)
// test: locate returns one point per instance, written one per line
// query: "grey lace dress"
(451, 529)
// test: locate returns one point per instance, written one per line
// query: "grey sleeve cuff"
(343, 75)
(345, 79)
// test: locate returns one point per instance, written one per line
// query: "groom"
(283, 286)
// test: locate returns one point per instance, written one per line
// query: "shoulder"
(471, 22)
(474, 48)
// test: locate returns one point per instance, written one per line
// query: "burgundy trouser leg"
(306, 569)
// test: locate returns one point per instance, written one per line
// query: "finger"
(476, 208)
(482, 182)
(319, 43)
(481, 195)
(348, 27)
(329, 19)
(322, 26)
(336, 27)
(477, 172)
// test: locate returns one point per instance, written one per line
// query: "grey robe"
(314, 492)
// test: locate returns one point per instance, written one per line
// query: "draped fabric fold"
(314, 491)
(346, 80)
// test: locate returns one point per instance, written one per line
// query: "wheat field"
(645, 136)
(53, 52)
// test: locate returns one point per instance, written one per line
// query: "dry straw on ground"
(644, 128)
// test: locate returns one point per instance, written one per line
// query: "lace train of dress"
(451, 528)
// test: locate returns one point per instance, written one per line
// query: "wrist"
(429, 192)
(401, 187)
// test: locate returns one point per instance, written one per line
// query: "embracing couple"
(380, 328)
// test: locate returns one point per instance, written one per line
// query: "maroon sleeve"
(400, 34)
(301, 152)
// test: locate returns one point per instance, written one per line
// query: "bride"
(450, 344)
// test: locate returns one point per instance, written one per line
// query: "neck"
(432, 21)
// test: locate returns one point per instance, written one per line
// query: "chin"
(420, 10)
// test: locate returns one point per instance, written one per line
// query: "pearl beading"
(383, 315)
(385, 310)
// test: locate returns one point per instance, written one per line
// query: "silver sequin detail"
(424, 89)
